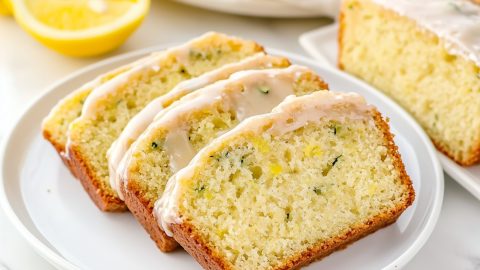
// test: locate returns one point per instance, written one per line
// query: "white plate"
(271, 8)
(50, 209)
(322, 45)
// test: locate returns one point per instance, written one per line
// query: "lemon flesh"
(5, 7)
(77, 15)
(80, 27)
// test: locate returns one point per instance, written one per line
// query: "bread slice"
(55, 125)
(286, 188)
(108, 109)
(139, 122)
(172, 140)
(424, 55)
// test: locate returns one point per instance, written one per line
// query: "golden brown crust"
(323, 84)
(397, 159)
(473, 160)
(341, 27)
(192, 242)
(60, 148)
(143, 212)
(104, 201)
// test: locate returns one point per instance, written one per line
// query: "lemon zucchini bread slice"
(426, 56)
(286, 188)
(184, 128)
(108, 109)
(140, 121)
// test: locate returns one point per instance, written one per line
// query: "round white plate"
(322, 45)
(271, 8)
(51, 210)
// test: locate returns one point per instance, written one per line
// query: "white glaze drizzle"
(179, 149)
(457, 22)
(306, 109)
(139, 122)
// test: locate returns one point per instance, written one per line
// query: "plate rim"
(271, 9)
(455, 171)
(60, 262)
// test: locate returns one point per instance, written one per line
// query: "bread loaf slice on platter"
(426, 56)
(288, 187)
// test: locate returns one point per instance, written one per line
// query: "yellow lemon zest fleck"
(221, 232)
(275, 169)
(312, 150)
(208, 195)
(261, 144)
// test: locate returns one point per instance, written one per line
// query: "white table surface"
(27, 68)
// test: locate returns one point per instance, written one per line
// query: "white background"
(27, 68)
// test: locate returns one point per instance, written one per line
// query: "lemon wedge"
(80, 27)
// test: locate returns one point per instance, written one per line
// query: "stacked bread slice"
(186, 140)
(288, 187)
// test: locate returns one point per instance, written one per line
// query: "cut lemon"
(80, 27)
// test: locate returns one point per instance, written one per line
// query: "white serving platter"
(51, 210)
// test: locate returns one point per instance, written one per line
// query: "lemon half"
(80, 27)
